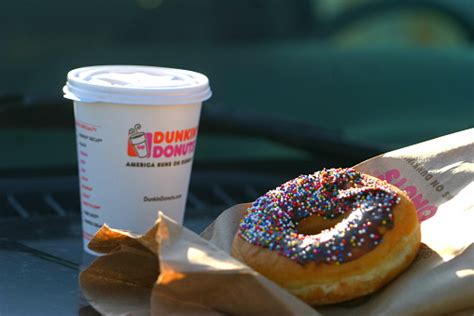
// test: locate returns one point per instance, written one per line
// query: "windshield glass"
(377, 73)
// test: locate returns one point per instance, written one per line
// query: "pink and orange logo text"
(161, 144)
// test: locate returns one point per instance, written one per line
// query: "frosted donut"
(331, 236)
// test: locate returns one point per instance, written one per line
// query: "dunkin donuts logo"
(161, 144)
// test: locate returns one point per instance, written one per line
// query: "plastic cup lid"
(145, 85)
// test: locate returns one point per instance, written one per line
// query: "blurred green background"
(388, 73)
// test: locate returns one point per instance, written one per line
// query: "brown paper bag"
(197, 276)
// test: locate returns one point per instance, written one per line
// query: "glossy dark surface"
(40, 276)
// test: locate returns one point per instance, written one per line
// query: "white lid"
(145, 85)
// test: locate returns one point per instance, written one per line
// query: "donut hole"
(314, 225)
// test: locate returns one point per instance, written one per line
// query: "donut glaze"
(329, 221)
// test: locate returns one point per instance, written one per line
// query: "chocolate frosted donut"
(330, 236)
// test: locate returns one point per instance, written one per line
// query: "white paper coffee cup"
(136, 130)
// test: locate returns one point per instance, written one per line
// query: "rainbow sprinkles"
(272, 220)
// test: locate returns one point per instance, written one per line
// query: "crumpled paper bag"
(171, 270)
